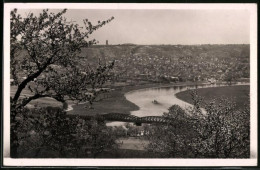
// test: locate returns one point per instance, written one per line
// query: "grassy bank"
(239, 94)
(117, 101)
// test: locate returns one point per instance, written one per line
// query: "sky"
(172, 26)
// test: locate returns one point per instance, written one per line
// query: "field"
(41, 102)
(128, 153)
(115, 103)
(239, 94)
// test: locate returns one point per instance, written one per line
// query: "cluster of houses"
(198, 67)
(173, 63)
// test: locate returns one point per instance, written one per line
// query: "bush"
(48, 132)
(221, 132)
(224, 131)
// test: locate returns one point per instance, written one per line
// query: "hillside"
(188, 62)
(154, 62)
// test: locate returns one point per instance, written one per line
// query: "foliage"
(49, 132)
(45, 60)
(172, 139)
(50, 59)
(224, 132)
(219, 132)
(230, 76)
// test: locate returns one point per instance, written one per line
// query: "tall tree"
(45, 51)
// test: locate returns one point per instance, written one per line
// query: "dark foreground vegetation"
(48, 132)
(224, 132)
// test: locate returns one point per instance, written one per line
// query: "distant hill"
(188, 62)
(127, 44)
(185, 61)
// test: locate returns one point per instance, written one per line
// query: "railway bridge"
(135, 119)
(121, 117)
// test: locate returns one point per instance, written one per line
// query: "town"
(174, 63)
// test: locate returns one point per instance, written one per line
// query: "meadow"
(239, 94)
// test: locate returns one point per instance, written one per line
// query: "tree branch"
(37, 96)
(30, 78)
(32, 54)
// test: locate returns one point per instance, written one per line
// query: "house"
(175, 79)
(212, 80)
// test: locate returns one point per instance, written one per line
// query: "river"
(166, 97)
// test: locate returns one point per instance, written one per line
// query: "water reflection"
(164, 95)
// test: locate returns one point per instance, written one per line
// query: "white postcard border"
(133, 162)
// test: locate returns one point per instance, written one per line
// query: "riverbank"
(239, 94)
(117, 101)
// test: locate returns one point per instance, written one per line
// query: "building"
(212, 80)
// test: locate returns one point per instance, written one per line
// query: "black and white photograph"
(130, 84)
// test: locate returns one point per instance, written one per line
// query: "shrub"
(221, 132)
(49, 132)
